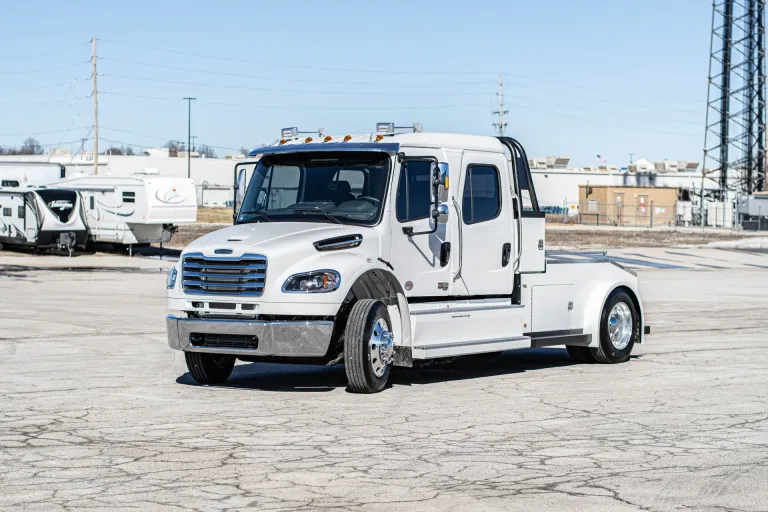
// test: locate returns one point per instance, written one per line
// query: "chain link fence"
(649, 214)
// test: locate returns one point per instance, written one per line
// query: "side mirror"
(440, 181)
(440, 214)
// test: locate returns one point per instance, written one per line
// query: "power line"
(45, 70)
(47, 102)
(41, 133)
(295, 66)
(46, 54)
(308, 91)
(279, 79)
(294, 107)
(537, 88)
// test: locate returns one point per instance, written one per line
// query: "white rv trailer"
(41, 218)
(29, 174)
(133, 209)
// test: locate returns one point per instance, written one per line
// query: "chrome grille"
(224, 275)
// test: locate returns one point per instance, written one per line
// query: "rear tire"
(209, 368)
(619, 329)
(368, 348)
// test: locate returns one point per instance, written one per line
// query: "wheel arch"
(380, 283)
(596, 302)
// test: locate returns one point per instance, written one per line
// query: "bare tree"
(114, 151)
(206, 151)
(128, 151)
(31, 147)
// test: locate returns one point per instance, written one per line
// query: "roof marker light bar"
(389, 128)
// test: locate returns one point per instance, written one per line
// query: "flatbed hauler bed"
(380, 250)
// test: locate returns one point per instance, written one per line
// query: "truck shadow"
(319, 379)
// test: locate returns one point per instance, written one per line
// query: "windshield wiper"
(255, 212)
(317, 209)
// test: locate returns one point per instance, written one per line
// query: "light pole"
(189, 134)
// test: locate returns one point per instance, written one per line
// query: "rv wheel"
(209, 368)
(368, 347)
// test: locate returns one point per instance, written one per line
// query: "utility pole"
(501, 124)
(189, 135)
(95, 112)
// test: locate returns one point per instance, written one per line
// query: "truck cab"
(381, 250)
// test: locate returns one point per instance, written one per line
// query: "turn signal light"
(282, 141)
(327, 139)
(307, 140)
(347, 138)
(379, 138)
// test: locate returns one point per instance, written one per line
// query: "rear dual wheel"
(619, 330)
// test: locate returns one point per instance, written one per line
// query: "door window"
(482, 198)
(413, 191)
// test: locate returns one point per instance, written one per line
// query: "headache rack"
(224, 275)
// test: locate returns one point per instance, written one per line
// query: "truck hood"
(267, 237)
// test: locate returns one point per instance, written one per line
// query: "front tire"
(209, 368)
(619, 329)
(368, 347)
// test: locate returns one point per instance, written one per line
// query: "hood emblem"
(222, 251)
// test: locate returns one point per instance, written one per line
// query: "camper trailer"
(41, 218)
(29, 174)
(133, 209)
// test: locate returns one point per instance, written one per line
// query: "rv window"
(129, 197)
(10, 183)
(7, 212)
(21, 212)
(92, 202)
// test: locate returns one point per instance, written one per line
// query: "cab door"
(487, 225)
(421, 261)
(530, 219)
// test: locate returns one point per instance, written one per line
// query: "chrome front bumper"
(287, 339)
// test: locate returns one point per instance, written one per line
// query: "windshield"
(338, 187)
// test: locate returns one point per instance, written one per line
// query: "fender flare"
(381, 284)
(597, 299)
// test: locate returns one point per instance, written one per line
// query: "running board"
(464, 348)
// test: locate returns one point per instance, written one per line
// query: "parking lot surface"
(96, 412)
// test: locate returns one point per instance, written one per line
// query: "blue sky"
(581, 78)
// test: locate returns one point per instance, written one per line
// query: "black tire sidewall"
(608, 350)
(377, 310)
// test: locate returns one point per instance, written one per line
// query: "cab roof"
(389, 143)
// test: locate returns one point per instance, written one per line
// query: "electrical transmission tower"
(734, 140)
(501, 112)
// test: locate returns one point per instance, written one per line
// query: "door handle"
(506, 251)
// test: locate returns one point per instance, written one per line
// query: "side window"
(413, 191)
(482, 199)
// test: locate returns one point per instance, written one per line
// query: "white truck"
(382, 250)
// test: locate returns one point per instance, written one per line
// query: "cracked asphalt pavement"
(96, 412)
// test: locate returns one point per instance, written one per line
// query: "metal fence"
(648, 215)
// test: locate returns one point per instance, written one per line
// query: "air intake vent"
(219, 275)
(338, 243)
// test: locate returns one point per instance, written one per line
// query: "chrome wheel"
(381, 347)
(620, 326)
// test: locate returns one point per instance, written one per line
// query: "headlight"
(170, 281)
(317, 281)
